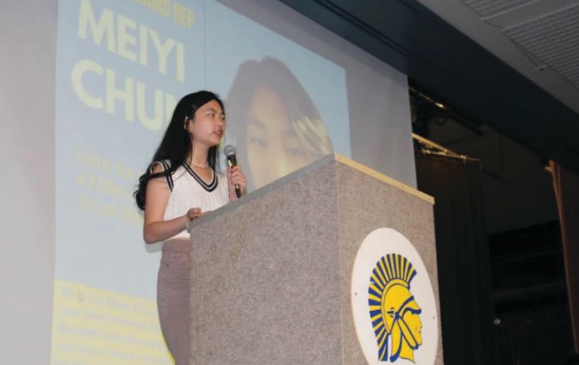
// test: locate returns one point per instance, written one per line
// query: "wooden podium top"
(304, 171)
(387, 179)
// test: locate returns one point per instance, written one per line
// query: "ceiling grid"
(490, 8)
(553, 39)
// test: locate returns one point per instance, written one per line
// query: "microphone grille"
(230, 150)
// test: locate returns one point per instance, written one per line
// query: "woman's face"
(208, 124)
(273, 148)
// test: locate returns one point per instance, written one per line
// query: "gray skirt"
(173, 298)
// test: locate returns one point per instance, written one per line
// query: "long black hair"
(176, 144)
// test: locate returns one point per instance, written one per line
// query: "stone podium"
(272, 278)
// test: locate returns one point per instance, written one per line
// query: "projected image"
(276, 125)
(286, 105)
(122, 65)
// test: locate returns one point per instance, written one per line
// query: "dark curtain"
(463, 259)
(566, 186)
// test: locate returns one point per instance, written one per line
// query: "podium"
(333, 264)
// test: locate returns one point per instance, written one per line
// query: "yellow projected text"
(123, 36)
(130, 95)
(94, 326)
(110, 90)
(181, 14)
(106, 188)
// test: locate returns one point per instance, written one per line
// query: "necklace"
(206, 165)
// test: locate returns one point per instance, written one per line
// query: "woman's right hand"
(194, 213)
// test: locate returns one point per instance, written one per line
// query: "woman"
(181, 185)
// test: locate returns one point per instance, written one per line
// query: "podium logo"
(393, 303)
(393, 311)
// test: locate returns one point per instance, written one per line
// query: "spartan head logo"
(393, 310)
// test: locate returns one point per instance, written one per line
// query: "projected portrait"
(273, 121)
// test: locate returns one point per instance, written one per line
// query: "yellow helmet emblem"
(393, 310)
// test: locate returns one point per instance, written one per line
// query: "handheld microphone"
(230, 152)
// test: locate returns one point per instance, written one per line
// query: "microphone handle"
(233, 162)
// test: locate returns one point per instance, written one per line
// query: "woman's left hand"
(236, 177)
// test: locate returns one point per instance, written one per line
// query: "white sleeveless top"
(188, 190)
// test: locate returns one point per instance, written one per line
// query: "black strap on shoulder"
(165, 165)
(169, 177)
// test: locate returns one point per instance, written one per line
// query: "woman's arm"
(155, 228)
